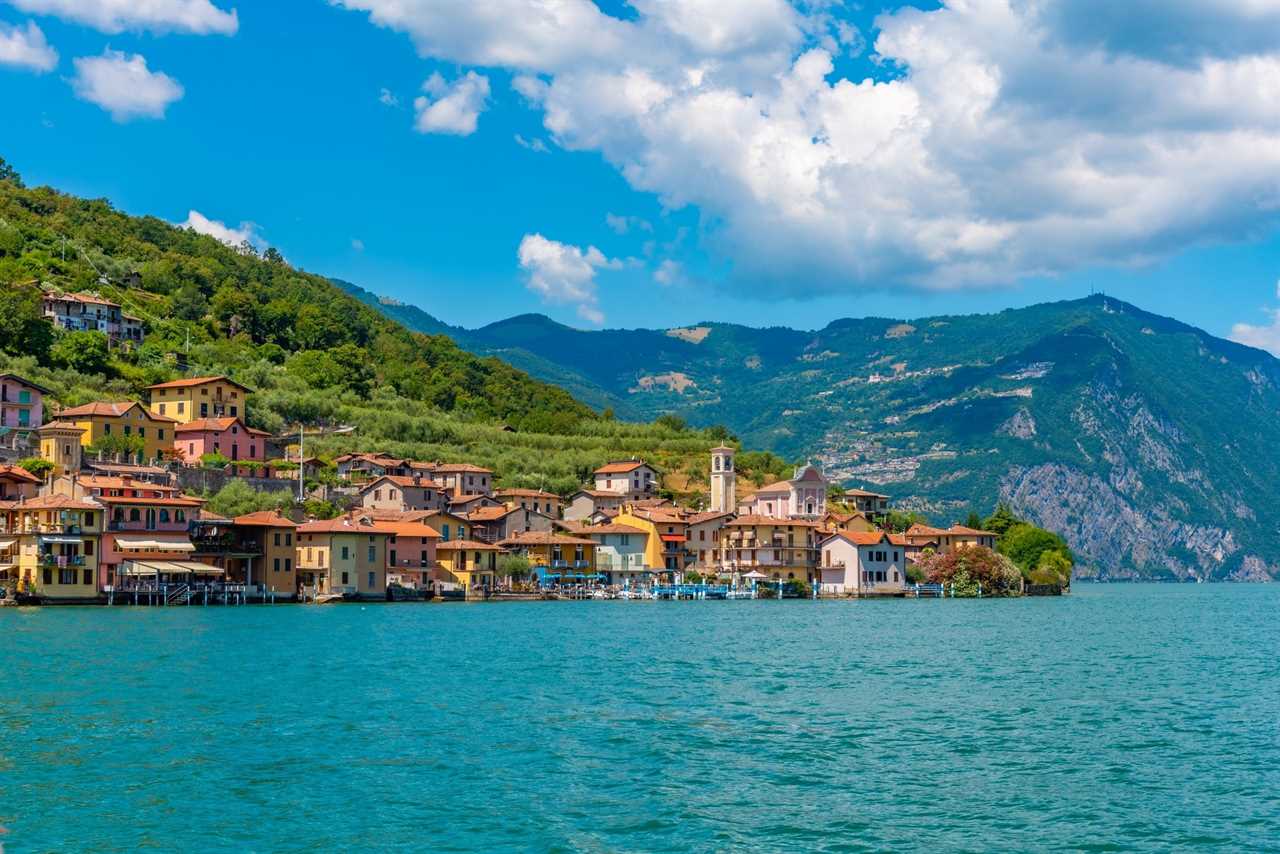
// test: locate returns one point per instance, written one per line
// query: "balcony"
(408, 563)
(51, 560)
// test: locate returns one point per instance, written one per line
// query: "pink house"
(144, 528)
(226, 436)
(21, 402)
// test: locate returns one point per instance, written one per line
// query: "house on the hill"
(21, 403)
(199, 397)
(394, 492)
(229, 437)
(591, 504)
(633, 479)
(862, 562)
(101, 419)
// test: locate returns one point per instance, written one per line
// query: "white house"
(633, 478)
(802, 497)
(859, 562)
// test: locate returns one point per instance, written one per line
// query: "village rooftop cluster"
(122, 529)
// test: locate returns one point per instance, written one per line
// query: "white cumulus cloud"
(25, 47)
(115, 16)
(235, 237)
(452, 108)
(124, 86)
(1263, 337)
(1012, 139)
(565, 274)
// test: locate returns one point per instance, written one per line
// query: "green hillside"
(1148, 443)
(314, 354)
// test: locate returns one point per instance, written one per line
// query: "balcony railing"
(48, 560)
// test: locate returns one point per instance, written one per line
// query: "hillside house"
(546, 503)
(199, 398)
(464, 479)
(21, 403)
(228, 437)
(18, 484)
(394, 492)
(91, 313)
(100, 420)
(592, 503)
(946, 539)
(632, 478)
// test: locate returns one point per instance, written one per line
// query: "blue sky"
(777, 188)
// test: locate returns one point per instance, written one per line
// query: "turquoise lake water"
(1142, 717)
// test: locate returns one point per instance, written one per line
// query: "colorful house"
(345, 555)
(464, 479)
(151, 527)
(228, 437)
(128, 418)
(199, 397)
(492, 524)
(946, 539)
(593, 503)
(556, 557)
(52, 547)
(856, 563)
(91, 313)
(804, 496)
(780, 549)
(21, 403)
(667, 535)
(867, 502)
(411, 553)
(396, 492)
(546, 503)
(620, 550)
(468, 563)
(257, 550)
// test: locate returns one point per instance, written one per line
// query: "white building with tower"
(802, 497)
(724, 490)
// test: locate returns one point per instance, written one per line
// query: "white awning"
(7, 544)
(136, 544)
(65, 541)
(169, 567)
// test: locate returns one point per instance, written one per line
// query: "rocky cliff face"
(1150, 445)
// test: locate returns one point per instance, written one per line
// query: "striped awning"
(169, 567)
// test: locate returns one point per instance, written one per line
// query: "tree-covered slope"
(314, 354)
(1150, 444)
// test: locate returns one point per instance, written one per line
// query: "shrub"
(214, 461)
(916, 574)
(973, 565)
(1024, 544)
(38, 466)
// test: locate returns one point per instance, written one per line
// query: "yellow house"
(468, 563)
(344, 555)
(451, 526)
(781, 549)
(52, 543)
(60, 444)
(668, 535)
(124, 419)
(199, 397)
(556, 554)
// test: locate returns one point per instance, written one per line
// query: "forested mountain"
(1151, 445)
(313, 354)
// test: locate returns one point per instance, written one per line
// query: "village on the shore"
(123, 530)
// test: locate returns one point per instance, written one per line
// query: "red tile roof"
(584, 530)
(103, 409)
(197, 381)
(56, 502)
(266, 518)
(750, 520)
(467, 545)
(18, 473)
(620, 467)
(544, 538)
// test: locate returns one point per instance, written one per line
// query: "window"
(288, 564)
(181, 406)
(88, 520)
(179, 516)
(275, 566)
(373, 555)
(128, 430)
(346, 553)
(135, 515)
(164, 516)
(47, 576)
(276, 538)
(393, 557)
(288, 539)
(233, 409)
(88, 548)
(162, 409)
(142, 432)
(66, 576)
(160, 434)
(106, 429)
(344, 578)
(372, 583)
(204, 410)
(88, 576)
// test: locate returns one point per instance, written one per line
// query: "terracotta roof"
(406, 528)
(349, 524)
(621, 467)
(919, 530)
(126, 468)
(699, 518)
(18, 473)
(60, 425)
(527, 493)
(966, 531)
(402, 480)
(397, 515)
(769, 520)
(660, 515)
(57, 502)
(467, 545)
(266, 518)
(489, 514)
(195, 381)
(860, 538)
(463, 468)
(611, 528)
(544, 538)
(105, 481)
(898, 540)
(87, 298)
(217, 425)
(103, 409)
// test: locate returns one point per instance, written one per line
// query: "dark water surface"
(1119, 718)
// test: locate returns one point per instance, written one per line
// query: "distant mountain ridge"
(1150, 444)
